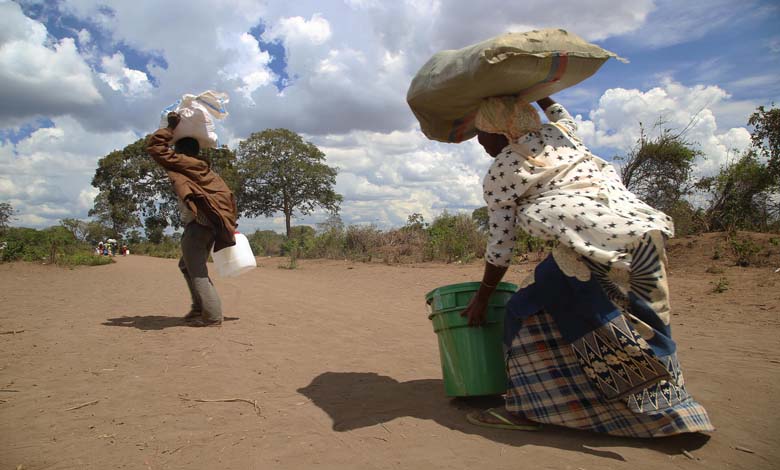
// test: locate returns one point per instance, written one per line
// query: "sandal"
(478, 418)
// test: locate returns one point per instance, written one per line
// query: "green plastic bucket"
(472, 359)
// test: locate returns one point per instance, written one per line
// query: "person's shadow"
(362, 399)
(152, 322)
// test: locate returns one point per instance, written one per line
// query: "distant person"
(208, 212)
(588, 341)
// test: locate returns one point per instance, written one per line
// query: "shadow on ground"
(152, 322)
(362, 399)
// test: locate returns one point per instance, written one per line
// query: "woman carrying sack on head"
(588, 340)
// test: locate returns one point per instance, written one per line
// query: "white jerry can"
(234, 260)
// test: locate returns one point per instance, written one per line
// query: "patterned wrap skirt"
(589, 347)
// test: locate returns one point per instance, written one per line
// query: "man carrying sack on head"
(208, 212)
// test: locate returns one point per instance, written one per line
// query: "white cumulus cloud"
(348, 66)
(615, 124)
(46, 176)
(249, 65)
(39, 76)
(296, 29)
(119, 77)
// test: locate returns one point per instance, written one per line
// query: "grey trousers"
(196, 243)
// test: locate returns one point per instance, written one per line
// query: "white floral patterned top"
(550, 185)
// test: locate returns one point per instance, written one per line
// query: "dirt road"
(343, 365)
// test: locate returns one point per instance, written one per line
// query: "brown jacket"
(200, 188)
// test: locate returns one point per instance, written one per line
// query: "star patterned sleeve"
(608, 170)
(501, 242)
(557, 113)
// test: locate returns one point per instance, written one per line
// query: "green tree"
(134, 237)
(660, 170)
(330, 241)
(332, 224)
(116, 215)
(481, 217)
(87, 231)
(155, 226)
(688, 219)
(6, 215)
(266, 243)
(766, 137)
(454, 237)
(280, 172)
(302, 232)
(741, 195)
(79, 228)
(744, 193)
(223, 161)
(134, 188)
(415, 222)
(97, 231)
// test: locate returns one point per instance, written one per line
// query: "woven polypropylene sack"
(446, 92)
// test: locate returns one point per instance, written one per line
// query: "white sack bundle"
(197, 116)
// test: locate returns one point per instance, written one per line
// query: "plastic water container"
(472, 359)
(234, 260)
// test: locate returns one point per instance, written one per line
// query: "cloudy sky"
(80, 78)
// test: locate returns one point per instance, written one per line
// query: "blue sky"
(79, 79)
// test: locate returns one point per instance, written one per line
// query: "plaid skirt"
(548, 385)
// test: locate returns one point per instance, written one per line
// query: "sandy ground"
(343, 364)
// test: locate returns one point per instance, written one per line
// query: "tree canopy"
(6, 214)
(766, 136)
(660, 170)
(135, 191)
(744, 194)
(740, 196)
(280, 172)
(87, 231)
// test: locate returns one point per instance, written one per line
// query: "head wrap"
(507, 115)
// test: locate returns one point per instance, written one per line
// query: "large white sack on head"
(197, 116)
(446, 92)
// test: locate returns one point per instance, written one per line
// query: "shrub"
(266, 243)
(687, 219)
(300, 244)
(25, 244)
(407, 244)
(84, 259)
(745, 250)
(455, 238)
(362, 242)
(291, 246)
(716, 253)
(330, 243)
(167, 248)
(721, 286)
(54, 245)
(527, 244)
